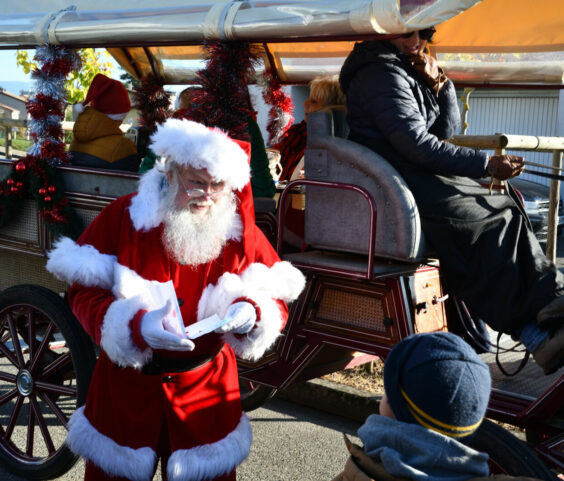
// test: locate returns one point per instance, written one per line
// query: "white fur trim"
(113, 459)
(71, 262)
(147, 208)
(128, 284)
(116, 337)
(212, 460)
(263, 285)
(77, 109)
(190, 143)
(121, 116)
(235, 231)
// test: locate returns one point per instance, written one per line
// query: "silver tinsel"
(51, 85)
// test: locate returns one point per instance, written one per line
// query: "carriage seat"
(339, 220)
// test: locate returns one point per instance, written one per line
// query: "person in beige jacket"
(436, 394)
(97, 139)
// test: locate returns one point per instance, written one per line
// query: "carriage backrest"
(339, 220)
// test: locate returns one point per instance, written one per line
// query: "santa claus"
(156, 393)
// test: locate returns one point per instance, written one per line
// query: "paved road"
(289, 442)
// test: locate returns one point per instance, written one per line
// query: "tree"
(78, 81)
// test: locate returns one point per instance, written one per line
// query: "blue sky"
(12, 76)
(10, 70)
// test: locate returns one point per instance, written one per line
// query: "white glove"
(160, 333)
(240, 317)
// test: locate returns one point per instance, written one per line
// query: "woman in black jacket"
(401, 105)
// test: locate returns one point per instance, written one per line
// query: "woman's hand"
(505, 167)
(429, 71)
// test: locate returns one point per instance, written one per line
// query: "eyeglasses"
(425, 34)
(215, 189)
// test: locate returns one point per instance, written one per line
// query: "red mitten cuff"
(257, 310)
(135, 327)
(250, 301)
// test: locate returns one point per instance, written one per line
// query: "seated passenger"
(324, 91)
(436, 394)
(97, 138)
(401, 105)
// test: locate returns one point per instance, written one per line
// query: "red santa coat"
(120, 428)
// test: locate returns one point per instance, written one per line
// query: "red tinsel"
(224, 99)
(42, 105)
(152, 101)
(280, 114)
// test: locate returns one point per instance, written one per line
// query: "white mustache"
(201, 203)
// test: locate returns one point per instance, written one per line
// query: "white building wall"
(524, 112)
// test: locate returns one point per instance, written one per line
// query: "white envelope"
(204, 326)
(160, 292)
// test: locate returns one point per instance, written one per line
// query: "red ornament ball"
(47, 198)
(42, 191)
(20, 166)
(10, 182)
(19, 185)
(51, 189)
(13, 189)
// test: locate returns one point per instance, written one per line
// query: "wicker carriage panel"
(351, 309)
(86, 215)
(22, 268)
(24, 226)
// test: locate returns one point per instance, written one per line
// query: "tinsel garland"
(281, 107)
(152, 101)
(224, 99)
(36, 175)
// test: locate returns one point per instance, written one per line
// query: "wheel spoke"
(16, 341)
(8, 354)
(42, 347)
(30, 433)
(8, 396)
(56, 411)
(60, 362)
(6, 376)
(42, 424)
(55, 388)
(14, 417)
(31, 332)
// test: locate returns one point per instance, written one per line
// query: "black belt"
(160, 364)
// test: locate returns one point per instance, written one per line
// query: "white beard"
(192, 239)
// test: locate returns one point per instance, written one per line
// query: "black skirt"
(488, 253)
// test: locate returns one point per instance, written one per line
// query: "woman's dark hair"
(427, 34)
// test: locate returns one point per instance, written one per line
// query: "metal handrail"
(334, 185)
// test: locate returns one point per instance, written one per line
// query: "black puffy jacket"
(392, 111)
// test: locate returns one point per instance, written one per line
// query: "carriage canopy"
(477, 42)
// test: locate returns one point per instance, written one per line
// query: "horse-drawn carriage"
(371, 279)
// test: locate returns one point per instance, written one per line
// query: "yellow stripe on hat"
(431, 423)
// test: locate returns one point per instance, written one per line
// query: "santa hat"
(108, 96)
(192, 144)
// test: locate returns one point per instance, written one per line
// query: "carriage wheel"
(254, 395)
(508, 454)
(46, 361)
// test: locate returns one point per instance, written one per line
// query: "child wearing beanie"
(436, 394)
(97, 139)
